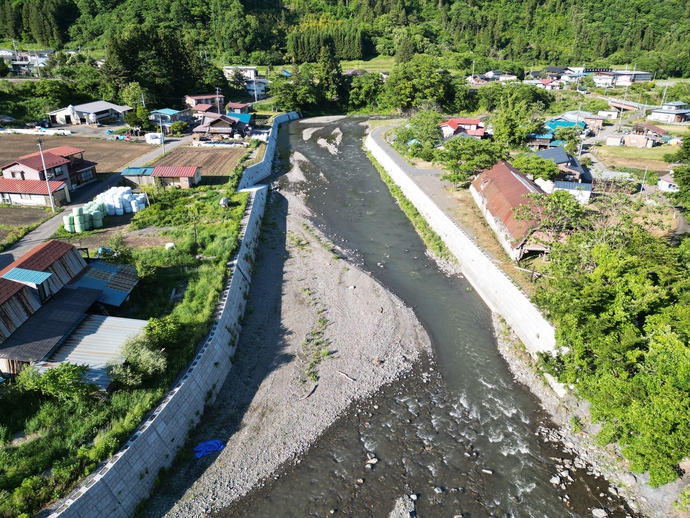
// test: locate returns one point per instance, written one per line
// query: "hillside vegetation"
(654, 35)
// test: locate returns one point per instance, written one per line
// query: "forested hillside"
(653, 34)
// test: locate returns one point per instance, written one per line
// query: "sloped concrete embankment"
(128, 477)
(494, 286)
(254, 174)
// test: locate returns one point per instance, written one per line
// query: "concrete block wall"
(496, 289)
(254, 174)
(128, 477)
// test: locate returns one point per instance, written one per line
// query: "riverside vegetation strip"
(45, 449)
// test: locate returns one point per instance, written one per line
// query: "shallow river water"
(457, 432)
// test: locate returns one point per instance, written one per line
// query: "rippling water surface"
(457, 432)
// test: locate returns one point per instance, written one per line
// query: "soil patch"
(11, 217)
(213, 162)
(110, 155)
(146, 237)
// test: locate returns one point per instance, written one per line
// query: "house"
(553, 72)
(649, 130)
(592, 121)
(638, 141)
(32, 192)
(166, 117)
(476, 80)
(614, 140)
(232, 107)
(498, 192)
(539, 141)
(214, 124)
(603, 81)
(465, 127)
(675, 111)
(43, 312)
(667, 184)
(249, 73)
(192, 101)
(257, 88)
(200, 110)
(608, 114)
(63, 163)
(183, 177)
(572, 176)
(89, 113)
(549, 84)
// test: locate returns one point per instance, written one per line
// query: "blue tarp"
(206, 448)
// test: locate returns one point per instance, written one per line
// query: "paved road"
(79, 198)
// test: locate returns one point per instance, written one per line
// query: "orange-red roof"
(63, 151)
(203, 107)
(174, 171)
(34, 161)
(14, 186)
(8, 289)
(504, 189)
(40, 257)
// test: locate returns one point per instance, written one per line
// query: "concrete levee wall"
(257, 172)
(496, 289)
(128, 477)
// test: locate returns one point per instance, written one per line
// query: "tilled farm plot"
(213, 162)
(110, 155)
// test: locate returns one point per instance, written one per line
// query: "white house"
(667, 184)
(675, 111)
(32, 193)
(249, 73)
(257, 88)
(89, 113)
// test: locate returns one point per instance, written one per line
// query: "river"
(457, 432)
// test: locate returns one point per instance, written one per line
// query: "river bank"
(578, 437)
(318, 334)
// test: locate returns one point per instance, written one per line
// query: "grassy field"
(213, 162)
(673, 129)
(110, 155)
(639, 158)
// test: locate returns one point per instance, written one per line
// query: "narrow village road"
(79, 198)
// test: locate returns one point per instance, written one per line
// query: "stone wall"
(496, 289)
(128, 477)
(254, 174)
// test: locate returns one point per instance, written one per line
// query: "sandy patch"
(269, 411)
(331, 148)
(322, 120)
(296, 175)
(308, 132)
(338, 136)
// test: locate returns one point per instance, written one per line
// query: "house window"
(58, 171)
(87, 175)
(17, 175)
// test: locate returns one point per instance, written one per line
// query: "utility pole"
(160, 125)
(143, 101)
(45, 173)
(663, 99)
(644, 178)
(218, 100)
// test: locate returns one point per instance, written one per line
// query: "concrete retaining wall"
(494, 286)
(254, 174)
(128, 477)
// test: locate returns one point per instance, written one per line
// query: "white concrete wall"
(254, 174)
(494, 286)
(504, 238)
(128, 477)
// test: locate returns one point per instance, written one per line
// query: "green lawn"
(639, 158)
(673, 129)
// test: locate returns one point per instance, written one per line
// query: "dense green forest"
(654, 35)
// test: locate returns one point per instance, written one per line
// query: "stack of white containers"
(119, 200)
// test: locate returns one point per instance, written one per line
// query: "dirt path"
(303, 300)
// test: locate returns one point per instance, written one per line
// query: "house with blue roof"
(572, 176)
(166, 116)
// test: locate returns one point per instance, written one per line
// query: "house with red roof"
(463, 127)
(177, 176)
(498, 192)
(23, 181)
(233, 107)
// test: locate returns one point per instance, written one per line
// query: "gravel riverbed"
(306, 306)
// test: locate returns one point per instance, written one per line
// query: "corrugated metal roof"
(17, 303)
(166, 111)
(26, 276)
(96, 342)
(116, 281)
(504, 189)
(48, 326)
(39, 187)
(573, 186)
(174, 171)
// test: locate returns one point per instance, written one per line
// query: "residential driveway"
(79, 198)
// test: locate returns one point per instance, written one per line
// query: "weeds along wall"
(254, 174)
(494, 286)
(128, 477)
